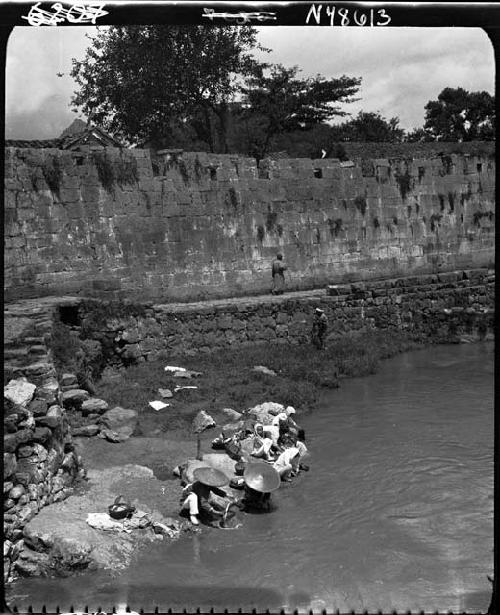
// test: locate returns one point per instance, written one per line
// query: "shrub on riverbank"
(228, 379)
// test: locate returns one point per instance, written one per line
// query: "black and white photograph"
(249, 307)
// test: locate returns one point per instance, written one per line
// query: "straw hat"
(261, 477)
(210, 477)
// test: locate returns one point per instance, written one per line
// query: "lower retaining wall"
(431, 307)
(39, 462)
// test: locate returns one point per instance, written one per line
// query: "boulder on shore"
(59, 541)
(231, 414)
(85, 431)
(94, 406)
(267, 411)
(120, 421)
(74, 398)
(202, 421)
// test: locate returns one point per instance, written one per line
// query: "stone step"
(14, 353)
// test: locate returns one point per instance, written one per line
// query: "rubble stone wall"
(39, 461)
(433, 307)
(121, 224)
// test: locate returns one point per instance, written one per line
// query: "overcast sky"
(401, 68)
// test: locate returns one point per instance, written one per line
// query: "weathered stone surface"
(40, 368)
(59, 539)
(10, 423)
(231, 414)
(120, 421)
(86, 431)
(19, 391)
(49, 391)
(267, 411)
(94, 406)
(25, 451)
(42, 434)
(74, 398)
(68, 380)
(31, 563)
(12, 440)
(202, 421)
(16, 492)
(264, 370)
(165, 393)
(52, 419)
(38, 407)
(222, 462)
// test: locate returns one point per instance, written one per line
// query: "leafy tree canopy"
(368, 127)
(140, 81)
(459, 115)
(276, 101)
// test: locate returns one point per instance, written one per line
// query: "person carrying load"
(196, 496)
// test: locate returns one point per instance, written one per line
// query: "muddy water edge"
(396, 511)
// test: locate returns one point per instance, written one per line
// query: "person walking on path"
(278, 273)
(319, 328)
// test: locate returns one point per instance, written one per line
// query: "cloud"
(37, 100)
(401, 68)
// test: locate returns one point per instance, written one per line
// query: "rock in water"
(19, 392)
(202, 421)
(120, 421)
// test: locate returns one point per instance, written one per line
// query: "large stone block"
(19, 391)
(9, 465)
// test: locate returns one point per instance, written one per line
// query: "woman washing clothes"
(195, 497)
(287, 464)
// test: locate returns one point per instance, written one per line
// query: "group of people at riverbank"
(268, 447)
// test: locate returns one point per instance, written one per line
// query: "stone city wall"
(433, 308)
(39, 462)
(113, 223)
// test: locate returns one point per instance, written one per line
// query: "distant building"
(72, 138)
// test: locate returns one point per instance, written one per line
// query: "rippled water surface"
(395, 513)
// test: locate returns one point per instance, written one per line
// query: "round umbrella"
(261, 477)
(210, 477)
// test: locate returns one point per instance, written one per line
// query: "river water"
(396, 511)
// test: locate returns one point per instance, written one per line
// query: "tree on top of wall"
(154, 83)
(459, 115)
(369, 127)
(276, 101)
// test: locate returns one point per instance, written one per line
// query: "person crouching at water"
(262, 444)
(287, 463)
(196, 495)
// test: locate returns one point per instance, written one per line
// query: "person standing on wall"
(319, 328)
(278, 273)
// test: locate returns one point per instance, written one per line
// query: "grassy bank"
(228, 380)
